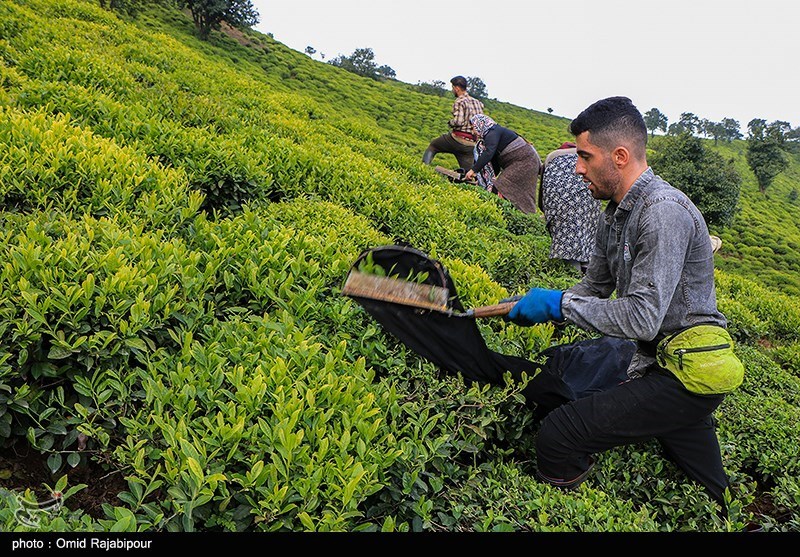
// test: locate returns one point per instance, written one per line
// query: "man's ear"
(621, 156)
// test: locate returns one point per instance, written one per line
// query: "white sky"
(714, 58)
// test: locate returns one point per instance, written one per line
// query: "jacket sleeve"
(459, 119)
(665, 231)
(598, 280)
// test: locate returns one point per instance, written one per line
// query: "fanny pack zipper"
(681, 351)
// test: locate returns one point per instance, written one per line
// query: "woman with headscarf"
(505, 163)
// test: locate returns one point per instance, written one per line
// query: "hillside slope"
(178, 217)
(760, 245)
(763, 242)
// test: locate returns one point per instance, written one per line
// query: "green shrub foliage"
(711, 182)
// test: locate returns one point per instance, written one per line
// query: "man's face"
(596, 166)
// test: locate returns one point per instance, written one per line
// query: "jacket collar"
(629, 201)
(637, 190)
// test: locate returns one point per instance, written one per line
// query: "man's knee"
(560, 458)
(549, 442)
(554, 444)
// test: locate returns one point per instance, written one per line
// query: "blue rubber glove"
(539, 305)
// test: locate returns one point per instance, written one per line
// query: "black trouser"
(463, 152)
(654, 406)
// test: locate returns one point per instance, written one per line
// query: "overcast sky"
(714, 58)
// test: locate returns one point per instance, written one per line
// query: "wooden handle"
(454, 176)
(493, 311)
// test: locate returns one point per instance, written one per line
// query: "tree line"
(767, 143)
(362, 62)
(475, 86)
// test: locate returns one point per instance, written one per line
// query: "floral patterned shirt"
(570, 211)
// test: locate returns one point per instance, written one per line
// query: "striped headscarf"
(481, 124)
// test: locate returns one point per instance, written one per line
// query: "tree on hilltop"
(710, 181)
(655, 120)
(208, 14)
(712, 129)
(688, 122)
(727, 130)
(765, 155)
(477, 88)
(386, 72)
(792, 144)
(731, 127)
(362, 62)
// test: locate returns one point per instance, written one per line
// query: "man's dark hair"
(459, 81)
(611, 122)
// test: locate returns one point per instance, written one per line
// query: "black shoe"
(567, 484)
(753, 527)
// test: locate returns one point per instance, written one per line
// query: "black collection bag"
(455, 344)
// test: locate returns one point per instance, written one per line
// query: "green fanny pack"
(702, 358)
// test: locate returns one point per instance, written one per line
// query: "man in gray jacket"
(653, 249)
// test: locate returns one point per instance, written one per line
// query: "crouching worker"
(652, 247)
(460, 140)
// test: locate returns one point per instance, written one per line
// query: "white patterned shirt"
(570, 211)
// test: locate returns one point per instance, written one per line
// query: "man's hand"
(470, 175)
(539, 305)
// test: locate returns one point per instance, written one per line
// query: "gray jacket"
(654, 251)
